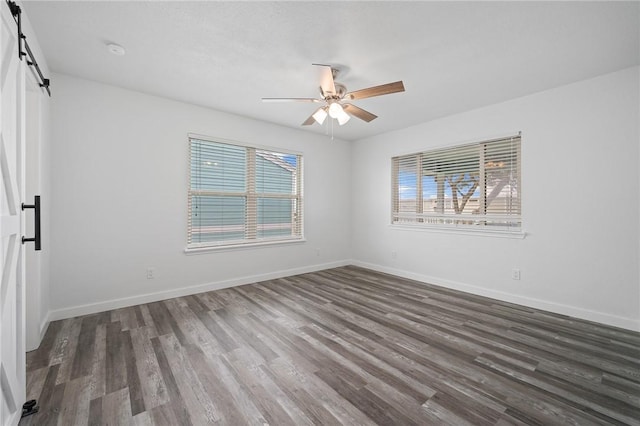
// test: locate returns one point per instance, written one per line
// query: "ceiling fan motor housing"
(341, 90)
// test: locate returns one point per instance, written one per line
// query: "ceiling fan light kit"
(339, 114)
(320, 115)
(335, 109)
(343, 118)
(333, 94)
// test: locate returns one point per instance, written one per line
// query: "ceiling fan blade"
(359, 112)
(292, 100)
(370, 92)
(327, 86)
(309, 121)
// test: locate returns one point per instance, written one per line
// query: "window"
(476, 185)
(242, 195)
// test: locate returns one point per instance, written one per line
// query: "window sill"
(233, 247)
(462, 230)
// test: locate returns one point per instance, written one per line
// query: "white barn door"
(12, 331)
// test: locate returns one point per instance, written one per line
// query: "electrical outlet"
(151, 273)
(394, 254)
(515, 274)
(317, 252)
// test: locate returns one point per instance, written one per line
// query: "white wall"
(119, 179)
(580, 203)
(119, 183)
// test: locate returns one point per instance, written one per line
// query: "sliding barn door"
(12, 331)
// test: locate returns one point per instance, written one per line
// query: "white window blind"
(242, 195)
(475, 185)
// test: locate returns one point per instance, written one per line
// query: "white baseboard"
(108, 305)
(600, 317)
(31, 343)
(44, 325)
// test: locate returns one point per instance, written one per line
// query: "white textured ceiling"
(452, 56)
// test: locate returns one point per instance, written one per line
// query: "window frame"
(421, 220)
(251, 218)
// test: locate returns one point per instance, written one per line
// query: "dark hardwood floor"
(341, 346)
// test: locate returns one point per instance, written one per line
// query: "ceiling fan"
(334, 96)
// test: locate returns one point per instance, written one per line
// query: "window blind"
(468, 185)
(240, 195)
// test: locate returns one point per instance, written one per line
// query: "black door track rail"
(22, 42)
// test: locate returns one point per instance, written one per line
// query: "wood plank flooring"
(342, 346)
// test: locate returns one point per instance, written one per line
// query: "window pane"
(473, 184)
(501, 175)
(215, 218)
(275, 173)
(407, 186)
(275, 217)
(217, 167)
(240, 194)
(462, 193)
(430, 190)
